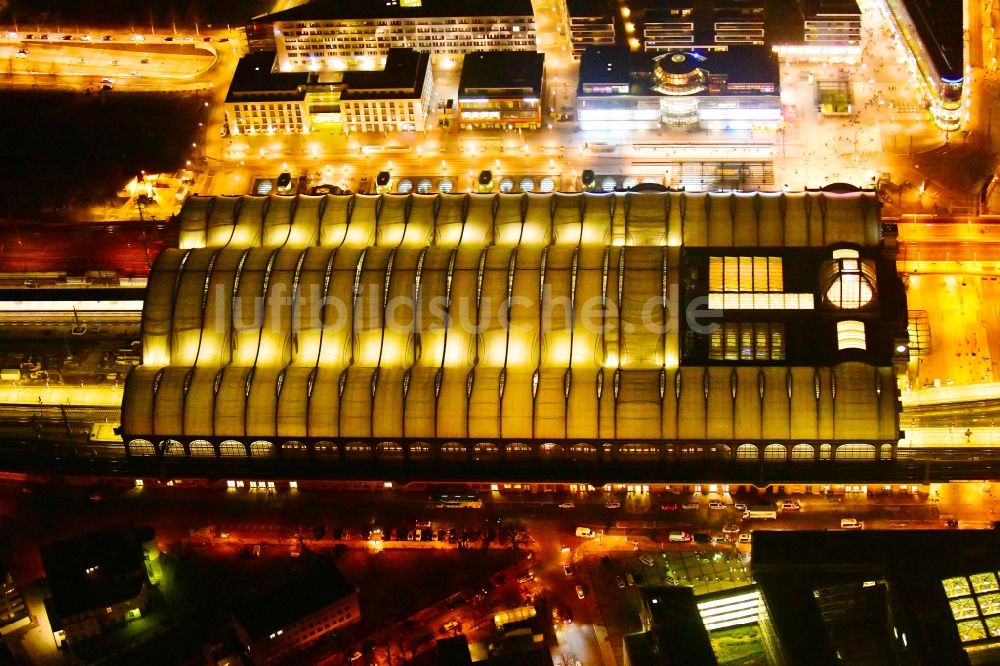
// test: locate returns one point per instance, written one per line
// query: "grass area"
(64, 149)
(739, 646)
(68, 15)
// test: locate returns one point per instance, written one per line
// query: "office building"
(263, 102)
(286, 616)
(831, 22)
(734, 88)
(601, 358)
(13, 612)
(672, 630)
(394, 99)
(332, 34)
(881, 596)
(98, 581)
(591, 23)
(501, 90)
(690, 24)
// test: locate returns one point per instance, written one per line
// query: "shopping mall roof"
(502, 74)
(338, 9)
(605, 65)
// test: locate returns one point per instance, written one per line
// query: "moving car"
(613, 504)
(585, 532)
(22, 53)
(567, 505)
(579, 592)
(790, 505)
(851, 524)
(568, 569)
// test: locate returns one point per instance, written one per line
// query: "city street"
(221, 522)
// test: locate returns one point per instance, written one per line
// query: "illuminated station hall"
(451, 331)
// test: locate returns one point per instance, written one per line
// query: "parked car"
(668, 506)
(744, 538)
(731, 528)
(568, 569)
(740, 506)
(630, 578)
(567, 505)
(647, 560)
(613, 504)
(691, 505)
(678, 536)
(579, 592)
(702, 537)
(620, 582)
(717, 505)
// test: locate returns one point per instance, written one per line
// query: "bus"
(459, 502)
(761, 512)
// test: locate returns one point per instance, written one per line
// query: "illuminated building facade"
(693, 24)
(501, 90)
(591, 23)
(932, 36)
(422, 329)
(262, 102)
(332, 34)
(735, 88)
(393, 99)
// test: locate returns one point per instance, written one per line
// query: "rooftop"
(392, 9)
(739, 64)
(94, 570)
(298, 596)
(678, 635)
(502, 74)
(581, 8)
(605, 65)
(859, 592)
(402, 77)
(254, 77)
(939, 25)
(817, 8)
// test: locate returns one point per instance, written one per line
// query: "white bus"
(760, 512)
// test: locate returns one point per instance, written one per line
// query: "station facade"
(629, 326)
